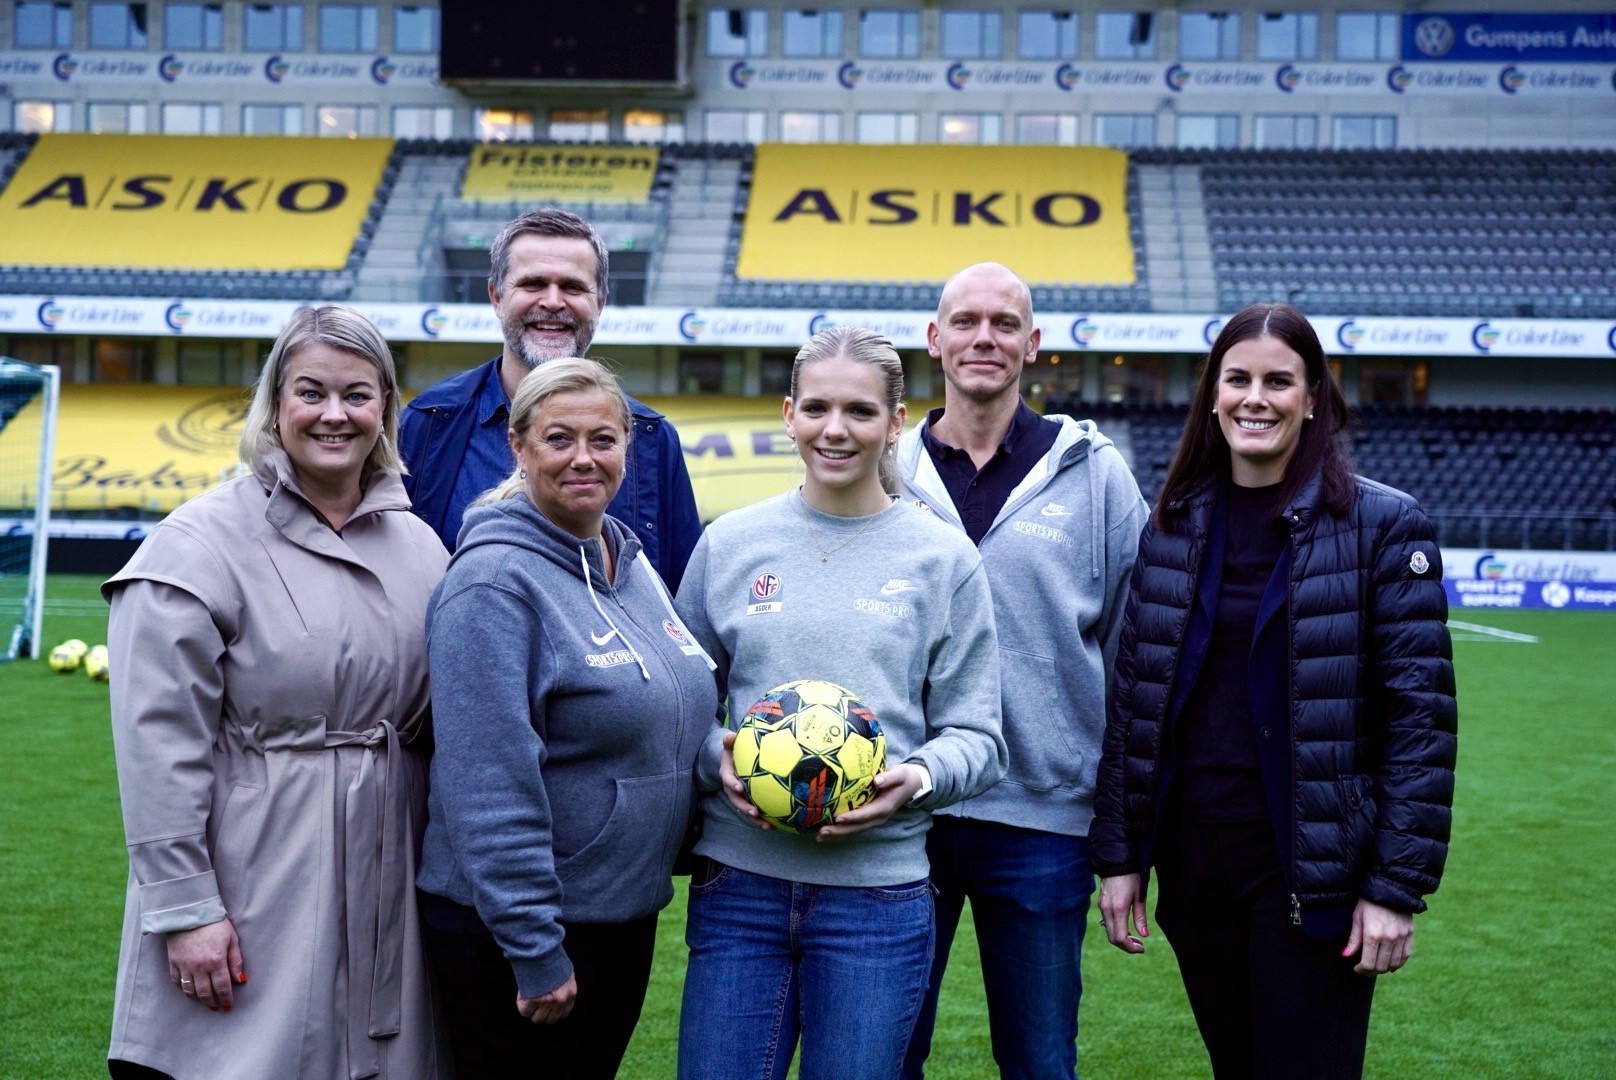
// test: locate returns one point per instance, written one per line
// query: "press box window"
(970, 128)
(580, 125)
(1124, 35)
(345, 121)
(207, 363)
(1367, 35)
(119, 360)
(1125, 131)
(1046, 35)
(272, 27)
(1216, 131)
(737, 32)
(889, 35)
(272, 119)
(193, 26)
(1046, 129)
(1363, 132)
(653, 126)
(734, 125)
(41, 117)
(117, 26)
(347, 28)
(810, 127)
(1208, 35)
(504, 125)
(423, 122)
(811, 34)
(888, 127)
(1287, 35)
(43, 26)
(415, 29)
(184, 118)
(972, 35)
(710, 374)
(115, 118)
(1298, 132)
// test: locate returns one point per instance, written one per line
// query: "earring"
(521, 474)
(1310, 416)
(1214, 410)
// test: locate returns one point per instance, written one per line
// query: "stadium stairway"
(687, 270)
(398, 262)
(1177, 255)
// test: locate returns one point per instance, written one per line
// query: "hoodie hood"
(516, 522)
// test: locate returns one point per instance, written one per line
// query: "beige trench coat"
(268, 680)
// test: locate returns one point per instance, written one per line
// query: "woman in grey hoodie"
(827, 937)
(569, 702)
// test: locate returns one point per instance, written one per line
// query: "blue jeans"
(1029, 893)
(842, 968)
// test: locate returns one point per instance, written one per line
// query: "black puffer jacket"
(1373, 717)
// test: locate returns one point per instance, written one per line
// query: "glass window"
(43, 26)
(707, 373)
(115, 360)
(1209, 130)
(115, 118)
(1124, 35)
(810, 127)
(1298, 132)
(1287, 35)
(972, 35)
(272, 120)
(1208, 35)
(117, 26)
(347, 28)
(415, 29)
(1366, 35)
(39, 117)
(345, 121)
(423, 121)
(807, 34)
(272, 27)
(889, 35)
(580, 125)
(970, 128)
(888, 127)
(653, 125)
(737, 32)
(193, 26)
(185, 118)
(1047, 129)
(734, 125)
(1363, 132)
(504, 125)
(1046, 35)
(1125, 131)
(203, 363)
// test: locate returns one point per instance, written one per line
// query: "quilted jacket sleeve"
(1110, 853)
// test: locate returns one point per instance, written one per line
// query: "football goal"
(28, 399)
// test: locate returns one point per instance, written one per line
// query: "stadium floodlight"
(28, 400)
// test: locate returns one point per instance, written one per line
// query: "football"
(95, 663)
(807, 752)
(68, 655)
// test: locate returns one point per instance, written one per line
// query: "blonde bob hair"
(564, 376)
(340, 328)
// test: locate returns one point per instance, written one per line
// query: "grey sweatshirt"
(1059, 556)
(900, 615)
(568, 711)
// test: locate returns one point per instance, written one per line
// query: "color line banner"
(920, 213)
(170, 202)
(504, 172)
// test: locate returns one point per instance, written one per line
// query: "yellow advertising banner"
(173, 202)
(501, 172)
(154, 447)
(1053, 214)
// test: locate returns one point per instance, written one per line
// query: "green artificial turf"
(1514, 973)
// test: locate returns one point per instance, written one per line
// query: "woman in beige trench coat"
(269, 697)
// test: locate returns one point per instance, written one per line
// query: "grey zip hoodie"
(1058, 557)
(568, 711)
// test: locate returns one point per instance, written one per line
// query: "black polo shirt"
(979, 494)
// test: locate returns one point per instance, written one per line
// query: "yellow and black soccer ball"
(67, 656)
(807, 752)
(95, 664)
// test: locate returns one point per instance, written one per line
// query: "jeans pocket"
(897, 894)
(710, 876)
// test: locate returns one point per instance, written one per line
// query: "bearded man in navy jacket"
(547, 281)
(1056, 515)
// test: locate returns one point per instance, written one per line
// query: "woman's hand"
(552, 1007)
(205, 962)
(1386, 938)
(1121, 898)
(734, 790)
(893, 788)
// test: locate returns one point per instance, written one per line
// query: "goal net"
(28, 398)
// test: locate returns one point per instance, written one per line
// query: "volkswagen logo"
(1434, 37)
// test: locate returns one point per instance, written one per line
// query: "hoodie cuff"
(535, 978)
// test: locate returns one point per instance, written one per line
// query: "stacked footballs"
(74, 655)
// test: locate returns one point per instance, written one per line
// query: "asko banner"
(1472, 36)
(506, 172)
(170, 202)
(918, 213)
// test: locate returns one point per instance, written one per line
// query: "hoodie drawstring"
(584, 558)
(1096, 517)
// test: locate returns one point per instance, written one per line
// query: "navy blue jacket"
(1352, 696)
(655, 501)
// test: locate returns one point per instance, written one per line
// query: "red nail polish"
(226, 1008)
(242, 978)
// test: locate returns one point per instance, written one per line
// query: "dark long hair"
(1204, 452)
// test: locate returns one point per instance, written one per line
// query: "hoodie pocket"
(1043, 750)
(630, 861)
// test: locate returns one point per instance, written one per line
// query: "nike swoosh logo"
(601, 639)
(893, 590)
(1047, 512)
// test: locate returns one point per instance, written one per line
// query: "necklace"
(824, 552)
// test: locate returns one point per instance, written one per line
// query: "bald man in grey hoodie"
(1056, 516)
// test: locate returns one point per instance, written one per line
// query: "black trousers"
(1270, 1001)
(128, 1070)
(489, 1039)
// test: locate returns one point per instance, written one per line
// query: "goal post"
(29, 396)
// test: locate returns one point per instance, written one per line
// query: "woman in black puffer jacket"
(1282, 733)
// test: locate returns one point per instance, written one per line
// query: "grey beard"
(533, 355)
